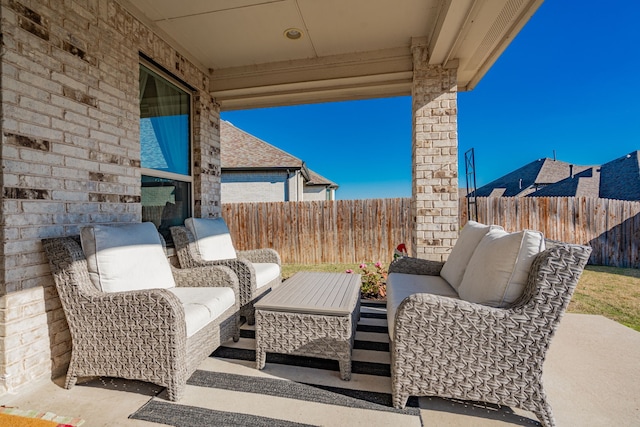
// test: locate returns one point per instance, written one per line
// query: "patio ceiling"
(349, 49)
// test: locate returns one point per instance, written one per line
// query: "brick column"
(206, 157)
(435, 157)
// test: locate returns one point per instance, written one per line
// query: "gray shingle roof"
(241, 150)
(584, 184)
(618, 179)
(513, 182)
(526, 179)
(317, 179)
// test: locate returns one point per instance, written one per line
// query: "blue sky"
(568, 82)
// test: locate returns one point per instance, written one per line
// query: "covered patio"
(591, 377)
(80, 77)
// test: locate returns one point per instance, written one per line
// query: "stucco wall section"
(71, 153)
(435, 158)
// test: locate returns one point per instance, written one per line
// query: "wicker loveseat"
(159, 335)
(442, 345)
(208, 242)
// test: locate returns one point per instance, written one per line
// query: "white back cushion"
(498, 270)
(470, 236)
(212, 238)
(126, 257)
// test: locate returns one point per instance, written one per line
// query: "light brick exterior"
(71, 154)
(435, 157)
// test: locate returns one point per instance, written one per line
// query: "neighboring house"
(256, 171)
(319, 188)
(618, 179)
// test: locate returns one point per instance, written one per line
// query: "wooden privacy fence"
(352, 231)
(610, 227)
(341, 231)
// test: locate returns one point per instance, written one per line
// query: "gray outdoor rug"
(228, 390)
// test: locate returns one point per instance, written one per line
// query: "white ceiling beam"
(333, 90)
(304, 70)
(453, 16)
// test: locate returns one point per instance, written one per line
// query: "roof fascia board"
(453, 16)
(315, 92)
(383, 73)
(261, 168)
(385, 61)
(492, 57)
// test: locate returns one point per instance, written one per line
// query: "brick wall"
(435, 157)
(71, 154)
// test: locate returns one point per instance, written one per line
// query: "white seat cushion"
(126, 257)
(499, 268)
(470, 236)
(212, 238)
(265, 272)
(401, 285)
(202, 305)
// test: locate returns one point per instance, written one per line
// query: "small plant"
(374, 280)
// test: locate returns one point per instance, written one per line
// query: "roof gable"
(584, 183)
(241, 150)
(553, 171)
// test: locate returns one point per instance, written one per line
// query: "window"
(165, 144)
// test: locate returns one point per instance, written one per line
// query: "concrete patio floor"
(592, 378)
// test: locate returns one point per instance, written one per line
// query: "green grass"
(289, 270)
(611, 292)
(608, 291)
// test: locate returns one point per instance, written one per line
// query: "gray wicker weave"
(311, 314)
(137, 335)
(189, 257)
(456, 349)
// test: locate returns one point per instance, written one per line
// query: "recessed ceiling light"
(293, 33)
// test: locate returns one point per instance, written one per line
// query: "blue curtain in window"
(171, 127)
(170, 132)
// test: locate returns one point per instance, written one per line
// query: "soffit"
(350, 49)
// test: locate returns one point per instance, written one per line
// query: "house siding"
(315, 193)
(71, 154)
(260, 186)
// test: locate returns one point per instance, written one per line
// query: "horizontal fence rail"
(353, 231)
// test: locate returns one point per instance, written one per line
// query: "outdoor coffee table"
(310, 314)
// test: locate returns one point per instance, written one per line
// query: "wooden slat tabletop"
(314, 293)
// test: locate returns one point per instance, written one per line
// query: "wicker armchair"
(139, 334)
(456, 349)
(189, 257)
